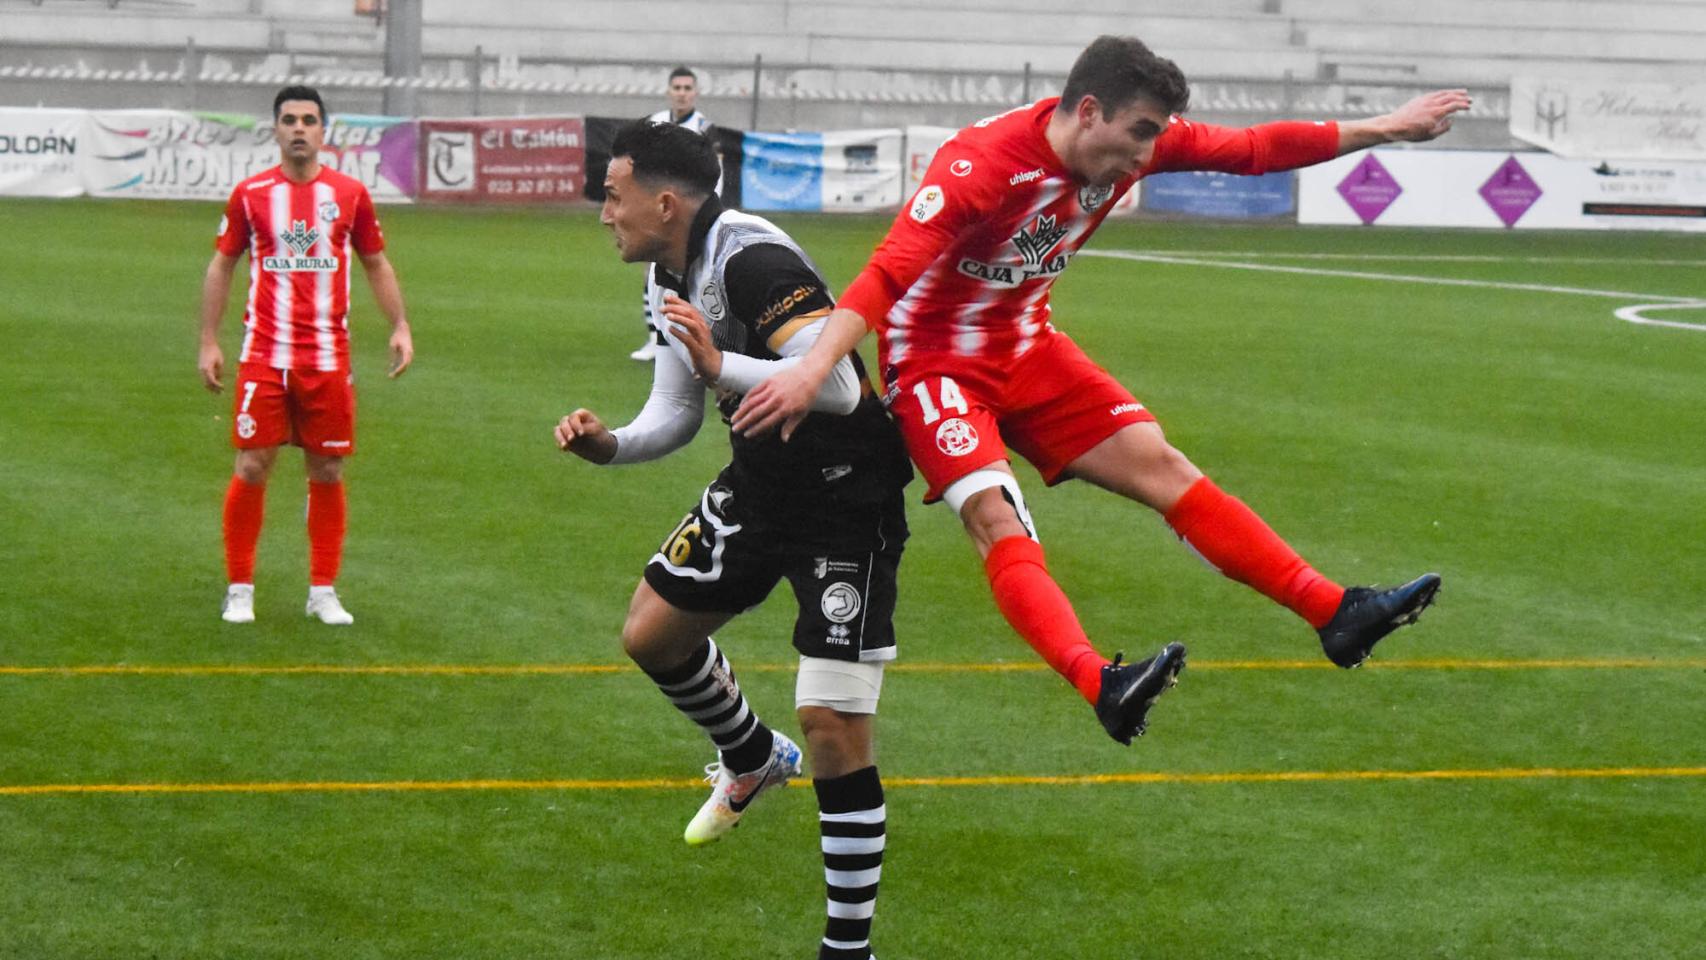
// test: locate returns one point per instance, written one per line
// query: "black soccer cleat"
(1366, 615)
(1128, 690)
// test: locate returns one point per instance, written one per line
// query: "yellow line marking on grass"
(597, 669)
(670, 783)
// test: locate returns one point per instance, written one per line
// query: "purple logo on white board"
(1510, 191)
(1369, 188)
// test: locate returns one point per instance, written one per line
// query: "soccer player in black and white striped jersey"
(683, 111)
(738, 299)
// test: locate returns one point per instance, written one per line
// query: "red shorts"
(1051, 405)
(312, 409)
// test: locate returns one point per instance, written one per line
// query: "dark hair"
(1118, 70)
(298, 93)
(668, 154)
(684, 72)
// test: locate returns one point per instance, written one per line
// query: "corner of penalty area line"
(1637, 314)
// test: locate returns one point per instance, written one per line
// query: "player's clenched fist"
(584, 435)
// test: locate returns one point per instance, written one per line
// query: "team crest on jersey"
(1091, 198)
(840, 602)
(956, 438)
(713, 301)
(329, 211)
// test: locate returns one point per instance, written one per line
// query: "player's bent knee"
(991, 506)
(839, 743)
(254, 466)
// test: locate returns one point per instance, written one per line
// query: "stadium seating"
(1246, 56)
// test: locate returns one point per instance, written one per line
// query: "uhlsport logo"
(840, 602)
(956, 438)
(960, 168)
(1026, 177)
(300, 239)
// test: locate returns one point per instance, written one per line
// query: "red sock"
(326, 513)
(1034, 604)
(1236, 542)
(244, 505)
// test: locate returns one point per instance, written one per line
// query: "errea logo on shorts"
(956, 438)
(927, 203)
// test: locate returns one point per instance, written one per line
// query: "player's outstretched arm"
(389, 295)
(782, 401)
(215, 287)
(584, 435)
(1424, 118)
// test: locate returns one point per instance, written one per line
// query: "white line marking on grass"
(1419, 258)
(1648, 301)
(997, 780)
(1634, 315)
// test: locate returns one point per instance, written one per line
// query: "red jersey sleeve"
(955, 194)
(365, 234)
(1287, 145)
(233, 236)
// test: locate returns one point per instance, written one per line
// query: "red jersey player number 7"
(958, 293)
(299, 223)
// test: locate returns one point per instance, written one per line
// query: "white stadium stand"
(834, 62)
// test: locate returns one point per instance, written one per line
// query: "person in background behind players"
(958, 293)
(683, 111)
(298, 222)
(739, 299)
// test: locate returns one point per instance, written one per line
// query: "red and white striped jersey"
(299, 237)
(967, 267)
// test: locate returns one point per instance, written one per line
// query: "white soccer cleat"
(239, 605)
(647, 352)
(731, 795)
(323, 605)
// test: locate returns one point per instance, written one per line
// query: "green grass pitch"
(1546, 457)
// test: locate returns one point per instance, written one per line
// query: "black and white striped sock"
(853, 820)
(704, 689)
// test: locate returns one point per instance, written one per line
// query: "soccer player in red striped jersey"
(299, 223)
(958, 293)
